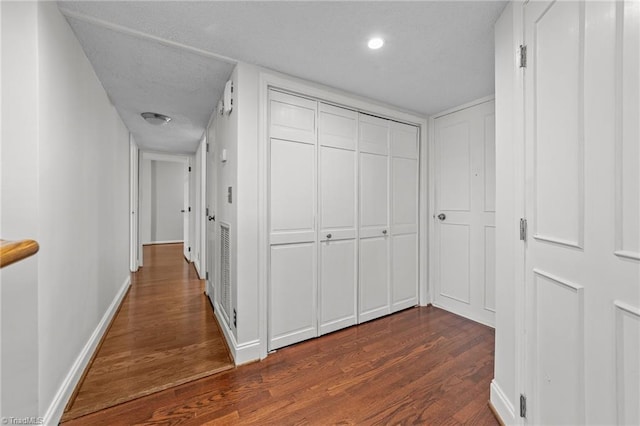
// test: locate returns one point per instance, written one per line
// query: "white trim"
(158, 156)
(150, 243)
(343, 100)
(468, 105)
(60, 400)
(243, 353)
(144, 36)
(196, 264)
(456, 311)
(504, 408)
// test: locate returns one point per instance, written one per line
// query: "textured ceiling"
(437, 54)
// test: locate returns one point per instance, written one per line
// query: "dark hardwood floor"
(164, 334)
(420, 366)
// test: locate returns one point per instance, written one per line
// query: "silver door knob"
(442, 216)
(384, 231)
(328, 235)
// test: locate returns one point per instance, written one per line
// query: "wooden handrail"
(13, 251)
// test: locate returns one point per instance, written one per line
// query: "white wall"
(20, 207)
(509, 183)
(224, 129)
(65, 140)
(162, 199)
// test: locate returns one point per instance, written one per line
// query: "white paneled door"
(375, 260)
(338, 187)
(404, 216)
(343, 198)
(292, 199)
(465, 212)
(582, 256)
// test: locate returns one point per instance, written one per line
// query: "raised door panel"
(559, 332)
(558, 138)
(404, 275)
(454, 162)
(404, 140)
(404, 193)
(338, 188)
(373, 278)
(292, 117)
(373, 134)
(628, 133)
(374, 194)
(292, 294)
(338, 127)
(338, 285)
(292, 196)
(454, 264)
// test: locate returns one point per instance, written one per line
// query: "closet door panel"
(404, 190)
(374, 195)
(292, 117)
(293, 205)
(404, 273)
(337, 192)
(337, 285)
(292, 294)
(374, 134)
(374, 278)
(404, 140)
(337, 127)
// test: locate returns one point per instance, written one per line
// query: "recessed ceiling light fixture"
(155, 118)
(375, 43)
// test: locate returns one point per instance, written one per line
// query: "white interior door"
(582, 266)
(337, 140)
(465, 212)
(212, 253)
(186, 212)
(292, 221)
(374, 250)
(404, 216)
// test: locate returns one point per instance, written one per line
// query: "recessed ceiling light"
(155, 118)
(375, 43)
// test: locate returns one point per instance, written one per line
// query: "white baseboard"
(56, 408)
(501, 403)
(150, 243)
(241, 353)
(466, 315)
(196, 264)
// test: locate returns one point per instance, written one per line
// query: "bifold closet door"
(374, 250)
(337, 140)
(404, 216)
(292, 195)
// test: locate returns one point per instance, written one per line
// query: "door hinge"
(189, 209)
(523, 56)
(523, 229)
(206, 276)
(189, 250)
(207, 146)
(189, 168)
(523, 406)
(207, 212)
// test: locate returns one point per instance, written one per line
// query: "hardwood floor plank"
(163, 335)
(419, 366)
